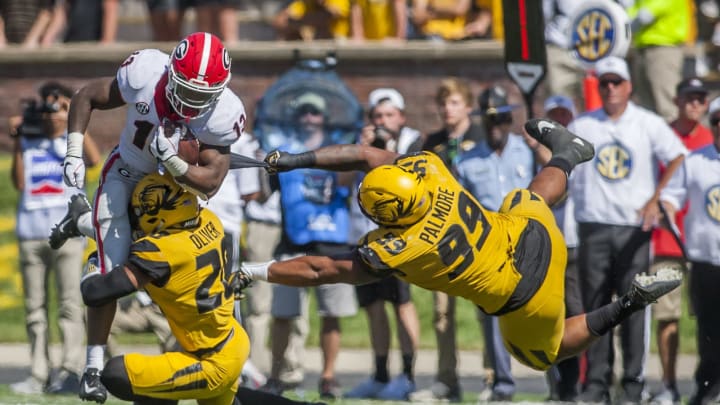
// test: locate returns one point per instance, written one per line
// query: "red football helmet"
(198, 73)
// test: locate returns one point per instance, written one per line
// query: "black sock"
(601, 320)
(560, 163)
(381, 370)
(408, 362)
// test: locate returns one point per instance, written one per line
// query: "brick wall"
(415, 72)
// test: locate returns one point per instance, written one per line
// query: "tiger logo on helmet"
(198, 72)
(392, 196)
(159, 203)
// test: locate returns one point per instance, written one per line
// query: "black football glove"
(239, 281)
(283, 161)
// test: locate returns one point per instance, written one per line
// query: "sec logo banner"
(598, 29)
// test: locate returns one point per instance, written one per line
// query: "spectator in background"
(315, 214)
(239, 187)
(458, 135)
(563, 377)
(313, 19)
(39, 149)
(440, 19)
(495, 166)
(218, 17)
(659, 31)
(378, 20)
(262, 230)
(166, 18)
(692, 104)
(25, 22)
(695, 182)
(486, 20)
(387, 130)
(564, 73)
(91, 20)
(616, 206)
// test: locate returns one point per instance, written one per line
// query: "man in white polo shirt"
(616, 206)
(697, 182)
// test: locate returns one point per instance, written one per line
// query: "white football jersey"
(619, 181)
(142, 79)
(227, 203)
(698, 181)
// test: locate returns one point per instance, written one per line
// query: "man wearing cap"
(497, 164)
(563, 377)
(616, 207)
(387, 130)
(692, 103)
(696, 182)
(315, 220)
(458, 135)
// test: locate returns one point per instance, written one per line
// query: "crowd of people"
(321, 225)
(42, 23)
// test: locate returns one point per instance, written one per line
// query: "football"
(188, 146)
(189, 150)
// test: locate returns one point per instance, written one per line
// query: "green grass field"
(354, 328)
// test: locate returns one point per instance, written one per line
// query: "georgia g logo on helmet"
(181, 50)
(198, 72)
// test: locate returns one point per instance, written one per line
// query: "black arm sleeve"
(100, 290)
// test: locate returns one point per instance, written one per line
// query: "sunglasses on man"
(308, 109)
(605, 83)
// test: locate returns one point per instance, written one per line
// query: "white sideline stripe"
(207, 44)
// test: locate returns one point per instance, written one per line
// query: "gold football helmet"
(392, 196)
(158, 203)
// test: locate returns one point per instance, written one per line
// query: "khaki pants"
(37, 259)
(656, 71)
(261, 238)
(444, 323)
(564, 73)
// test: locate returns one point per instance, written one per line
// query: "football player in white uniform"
(187, 90)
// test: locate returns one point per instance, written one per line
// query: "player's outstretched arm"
(334, 157)
(308, 271)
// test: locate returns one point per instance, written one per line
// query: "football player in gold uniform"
(179, 256)
(434, 234)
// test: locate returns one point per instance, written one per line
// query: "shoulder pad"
(141, 69)
(226, 122)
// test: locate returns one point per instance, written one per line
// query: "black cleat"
(646, 289)
(91, 389)
(563, 143)
(67, 227)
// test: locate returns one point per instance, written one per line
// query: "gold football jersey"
(378, 18)
(189, 272)
(458, 247)
(448, 28)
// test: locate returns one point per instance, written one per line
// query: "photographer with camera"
(40, 137)
(387, 130)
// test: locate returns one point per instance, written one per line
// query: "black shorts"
(390, 289)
